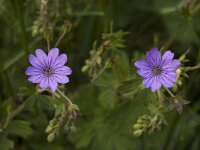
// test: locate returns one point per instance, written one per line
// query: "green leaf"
(20, 128)
(129, 85)
(5, 143)
(121, 67)
(27, 91)
(12, 59)
(107, 80)
(108, 99)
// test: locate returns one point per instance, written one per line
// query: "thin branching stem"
(12, 114)
(65, 97)
(195, 67)
(170, 93)
(160, 98)
(60, 38)
(48, 45)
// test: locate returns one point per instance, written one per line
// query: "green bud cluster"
(65, 119)
(51, 126)
(148, 124)
(101, 57)
(94, 63)
(141, 125)
(182, 71)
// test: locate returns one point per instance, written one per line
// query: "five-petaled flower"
(48, 70)
(158, 70)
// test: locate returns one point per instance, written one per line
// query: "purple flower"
(158, 70)
(48, 70)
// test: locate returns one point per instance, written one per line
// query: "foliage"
(102, 39)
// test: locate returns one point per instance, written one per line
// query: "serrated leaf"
(129, 85)
(5, 143)
(121, 66)
(20, 128)
(107, 80)
(108, 99)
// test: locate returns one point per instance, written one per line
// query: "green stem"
(48, 45)
(7, 121)
(8, 83)
(62, 119)
(20, 14)
(17, 110)
(170, 93)
(60, 38)
(65, 97)
(160, 98)
(195, 9)
(100, 72)
(195, 67)
(111, 27)
(170, 132)
(13, 114)
(173, 36)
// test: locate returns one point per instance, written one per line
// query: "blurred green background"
(106, 119)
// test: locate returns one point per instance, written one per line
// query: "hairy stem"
(65, 97)
(60, 38)
(195, 67)
(13, 114)
(170, 93)
(48, 45)
(160, 98)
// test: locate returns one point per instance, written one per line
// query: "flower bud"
(49, 129)
(66, 26)
(11, 106)
(137, 133)
(48, 34)
(51, 137)
(140, 121)
(137, 126)
(84, 68)
(98, 60)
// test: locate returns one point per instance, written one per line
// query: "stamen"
(48, 72)
(157, 70)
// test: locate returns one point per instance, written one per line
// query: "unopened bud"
(140, 121)
(66, 26)
(84, 68)
(48, 34)
(137, 133)
(51, 137)
(49, 129)
(98, 60)
(73, 107)
(11, 106)
(137, 126)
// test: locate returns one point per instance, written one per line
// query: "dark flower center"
(157, 70)
(48, 72)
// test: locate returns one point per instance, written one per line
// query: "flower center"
(157, 71)
(48, 72)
